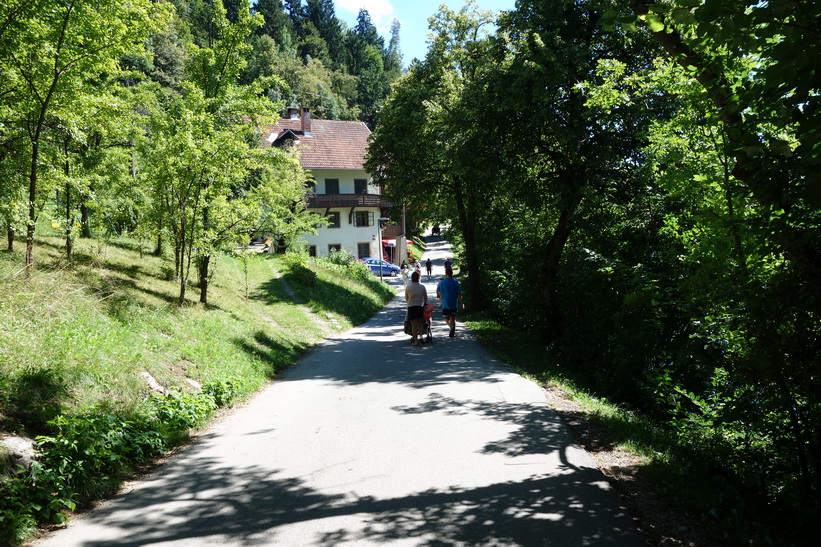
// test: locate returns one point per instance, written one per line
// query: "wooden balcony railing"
(391, 231)
(346, 200)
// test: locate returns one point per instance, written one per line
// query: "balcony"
(326, 201)
(391, 231)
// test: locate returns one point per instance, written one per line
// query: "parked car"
(387, 267)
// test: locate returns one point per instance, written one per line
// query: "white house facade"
(333, 152)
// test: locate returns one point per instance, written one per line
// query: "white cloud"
(379, 10)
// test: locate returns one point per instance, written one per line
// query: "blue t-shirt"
(449, 289)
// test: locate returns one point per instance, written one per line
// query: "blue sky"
(413, 16)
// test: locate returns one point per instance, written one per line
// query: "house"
(333, 152)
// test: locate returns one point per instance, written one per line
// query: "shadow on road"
(250, 505)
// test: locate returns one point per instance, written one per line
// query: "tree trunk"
(10, 237)
(204, 263)
(466, 219)
(69, 246)
(32, 218)
(552, 262)
(85, 220)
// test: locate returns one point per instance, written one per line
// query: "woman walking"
(416, 296)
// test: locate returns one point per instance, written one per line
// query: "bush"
(224, 392)
(178, 412)
(89, 454)
(341, 258)
(95, 449)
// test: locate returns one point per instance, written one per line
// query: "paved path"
(371, 441)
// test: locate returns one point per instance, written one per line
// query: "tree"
(756, 63)
(277, 24)
(322, 15)
(71, 43)
(757, 106)
(202, 156)
(418, 145)
(393, 54)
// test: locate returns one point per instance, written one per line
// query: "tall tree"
(277, 24)
(418, 145)
(757, 106)
(393, 53)
(757, 64)
(322, 15)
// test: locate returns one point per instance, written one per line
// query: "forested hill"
(342, 73)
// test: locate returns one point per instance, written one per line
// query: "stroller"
(427, 334)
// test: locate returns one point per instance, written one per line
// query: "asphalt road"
(371, 441)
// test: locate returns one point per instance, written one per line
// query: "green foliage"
(224, 391)
(348, 267)
(648, 211)
(299, 272)
(178, 412)
(94, 449)
(340, 258)
(33, 496)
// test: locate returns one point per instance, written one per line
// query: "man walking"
(429, 268)
(450, 295)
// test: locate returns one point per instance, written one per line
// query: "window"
(334, 220)
(363, 218)
(334, 247)
(360, 186)
(331, 186)
(311, 250)
(363, 250)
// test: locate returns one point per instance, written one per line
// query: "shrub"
(93, 450)
(224, 392)
(178, 412)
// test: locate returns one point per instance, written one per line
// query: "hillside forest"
(635, 186)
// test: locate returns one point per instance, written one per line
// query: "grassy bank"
(76, 342)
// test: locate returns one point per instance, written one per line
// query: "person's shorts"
(415, 312)
(446, 312)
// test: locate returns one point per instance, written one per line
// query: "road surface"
(369, 441)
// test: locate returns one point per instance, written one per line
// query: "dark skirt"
(415, 312)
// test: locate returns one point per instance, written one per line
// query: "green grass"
(111, 316)
(74, 340)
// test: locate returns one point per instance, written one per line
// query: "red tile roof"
(332, 144)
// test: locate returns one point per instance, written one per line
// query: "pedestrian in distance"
(449, 263)
(449, 293)
(429, 268)
(416, 296)
(405, 274)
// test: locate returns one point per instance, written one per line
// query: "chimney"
(306, 121)
(293, 113)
